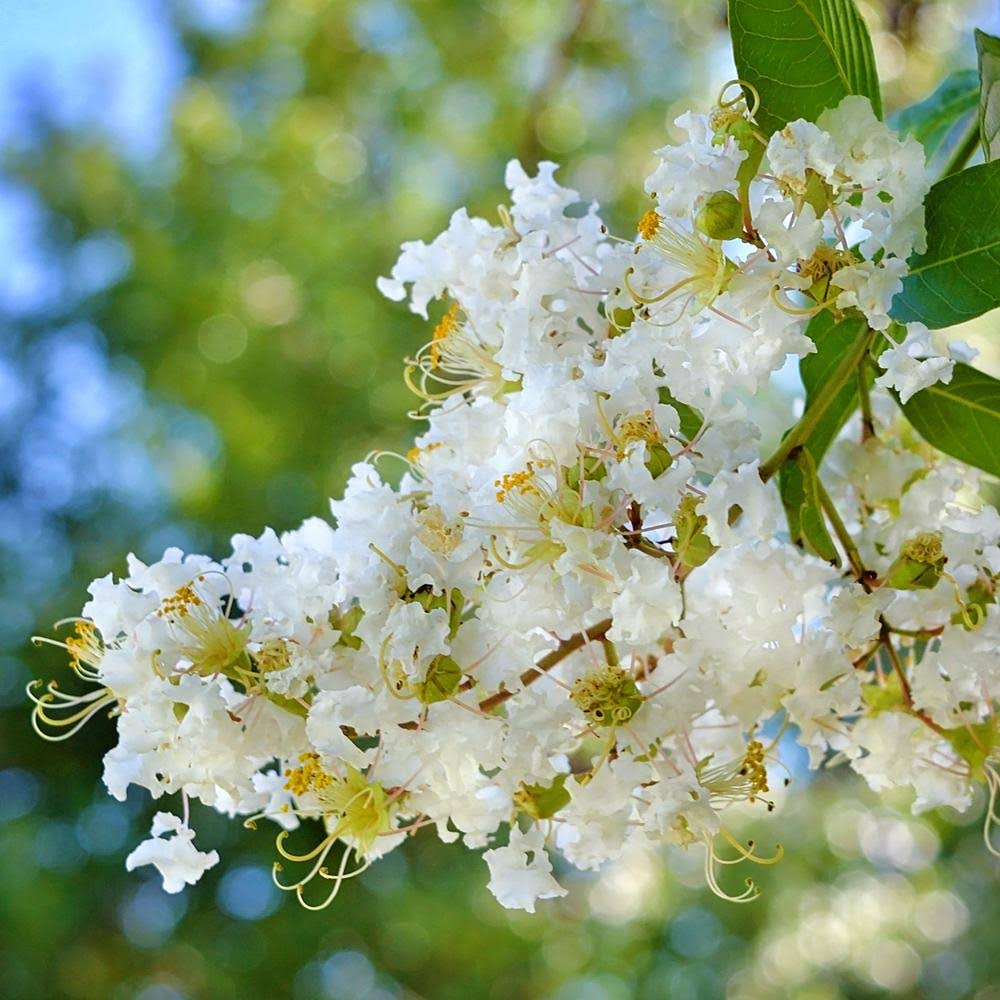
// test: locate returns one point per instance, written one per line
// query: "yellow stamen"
(649, 225)
(308, 776)
(448, 324)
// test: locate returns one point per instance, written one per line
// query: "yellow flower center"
(649, 225)
(447, 326)
(309, 776)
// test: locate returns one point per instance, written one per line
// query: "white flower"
(650, 602)
(855, 613)
(520, 607)
(693, 168)
(871, 288)
(521, 872)
(794, 239)
(759, 509)
(798, 147)
(913, 365)
(176, 857)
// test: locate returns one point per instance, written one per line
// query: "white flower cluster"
(579, 607)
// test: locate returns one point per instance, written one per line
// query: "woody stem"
(547, 662)
(885, 637)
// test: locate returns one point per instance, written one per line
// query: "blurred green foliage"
(249, 361)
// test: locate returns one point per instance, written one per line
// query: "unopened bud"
(720, 217)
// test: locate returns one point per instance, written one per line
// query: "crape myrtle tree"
(593, 605)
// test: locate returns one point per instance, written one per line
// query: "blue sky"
(113, 64)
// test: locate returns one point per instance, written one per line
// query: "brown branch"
(547, 662)
(885, 637)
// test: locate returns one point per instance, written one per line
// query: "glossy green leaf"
(957, 278)
(802, 56)
(988, 47)
(815, 533)
(930, 121)
(961, 418)
(832, 340)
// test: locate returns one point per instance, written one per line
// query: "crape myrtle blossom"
(564, 628)
(176, 858)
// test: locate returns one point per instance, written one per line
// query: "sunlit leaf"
(988, 47)
(802, 56)
(961, 418)
(956, 279)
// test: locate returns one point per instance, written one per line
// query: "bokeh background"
(196, 199)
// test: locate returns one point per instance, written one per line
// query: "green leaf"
(832, 340)
(802, 56)
(815, 533)
(957, 278)
(885, 697)
(692, 546)
(691, 419)
(543, 801)
(975, 744)
(961, 418)
(441, 681)
(988, 47)
(930, 121)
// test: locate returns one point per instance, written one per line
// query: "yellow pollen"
(416, 453)
(272, 655)
(608, 697)
(181, 602)
(308, 776)
(520, 481)
(446, 327)
(639, 428)
(825, 262)
(85, 646)
(755, 771)
(925, 548)
(437, 533)
(649, 225)
(722, 118)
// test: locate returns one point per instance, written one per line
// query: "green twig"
(864, 394)
(815, 412)
(843, 535)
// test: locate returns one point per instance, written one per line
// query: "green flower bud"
(919, 564)
(720, 217)
(346, 622)
(728, 123)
